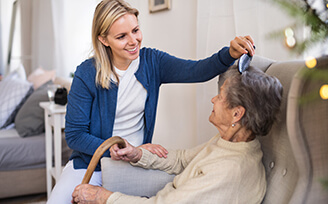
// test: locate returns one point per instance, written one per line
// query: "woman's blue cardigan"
(91, 109)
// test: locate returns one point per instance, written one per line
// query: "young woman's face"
(124, 38)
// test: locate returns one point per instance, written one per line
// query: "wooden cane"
(98, 153)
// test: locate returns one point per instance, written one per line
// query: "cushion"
(29, 120)
(11, 118)
(13, 92)
(120, 176)
(40, 77)
(20, 70)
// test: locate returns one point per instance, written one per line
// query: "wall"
(173, 31)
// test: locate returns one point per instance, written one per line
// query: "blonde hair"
(106, 13)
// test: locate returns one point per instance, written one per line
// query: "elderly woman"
(226, 169)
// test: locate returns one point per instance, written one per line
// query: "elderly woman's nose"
(213, 99)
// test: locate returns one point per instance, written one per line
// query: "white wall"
(173, 31)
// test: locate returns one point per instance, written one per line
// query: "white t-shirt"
(131, 97)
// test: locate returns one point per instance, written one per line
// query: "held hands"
(133, 154)
(241, 45)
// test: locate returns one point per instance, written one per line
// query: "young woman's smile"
(124, 38)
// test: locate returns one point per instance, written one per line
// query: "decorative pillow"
(12, 116)
(120, 176)
(29, 120)
(40, 77)
(13, 92)
(20, 70)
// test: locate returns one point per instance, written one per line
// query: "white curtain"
(217, 22)
(72, 21)
(43, 40)
(6, 9)
(60, 34)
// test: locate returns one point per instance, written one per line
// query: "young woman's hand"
(155, 149)
(241, 45)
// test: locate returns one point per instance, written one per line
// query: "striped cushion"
(13, 91)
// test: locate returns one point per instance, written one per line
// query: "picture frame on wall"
(158, 5)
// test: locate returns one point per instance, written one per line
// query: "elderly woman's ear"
(237, 114)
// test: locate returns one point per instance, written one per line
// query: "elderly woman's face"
(221, 116)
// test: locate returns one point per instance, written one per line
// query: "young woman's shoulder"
(152, 54)
(87, 67)
(151, 51)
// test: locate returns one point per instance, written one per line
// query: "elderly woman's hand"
(129, 153)
(133, 154)
(86, 193)
(241, 45)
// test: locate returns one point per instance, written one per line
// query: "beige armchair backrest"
(278, 158)
(296, 149)
(307, 125)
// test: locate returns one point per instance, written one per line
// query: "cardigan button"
(271, 165)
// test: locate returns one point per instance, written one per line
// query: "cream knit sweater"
(216, 172)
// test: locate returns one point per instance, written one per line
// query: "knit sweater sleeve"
(221, 175)
(212, 185)
(175, 162)
(79, 106)
(176, 70)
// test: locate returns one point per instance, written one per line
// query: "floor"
(35, 199)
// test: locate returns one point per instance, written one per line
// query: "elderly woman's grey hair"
(259, 93)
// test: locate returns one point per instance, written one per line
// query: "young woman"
(116, 91)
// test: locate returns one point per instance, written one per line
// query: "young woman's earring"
(233, 125)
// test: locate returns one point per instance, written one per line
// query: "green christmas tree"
(306, 14)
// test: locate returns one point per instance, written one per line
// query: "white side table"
(54, 116)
